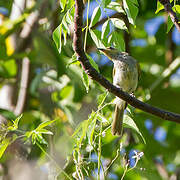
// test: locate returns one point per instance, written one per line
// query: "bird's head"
(112, 53)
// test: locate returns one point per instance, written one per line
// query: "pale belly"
(126, 77)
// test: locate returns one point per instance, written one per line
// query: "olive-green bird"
(125, 76)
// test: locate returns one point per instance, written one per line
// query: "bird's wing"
(113, 73)
(139, 70)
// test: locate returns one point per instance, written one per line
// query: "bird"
(126, 73)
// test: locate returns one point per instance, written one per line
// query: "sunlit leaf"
(101, 118)
(63, 4)
(176, 8)
(15, 123)
(105, 30)
(93, 63)
(105, 3)
(3, 146)
(96, 36)
(44, 124)
(65, 25)
(11, 67)
(45, 131)
(116, 6)
(95, 16)
(118, 23)
(131, 9)
(159, 7)
(40, 139)
(57, 37)
(86, 81)
(65, 92)
(101, 99)
(91, 126)
(128, 122)
(169, 24)
(118, 41)
(73, 61)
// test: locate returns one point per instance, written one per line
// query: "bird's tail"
(117, 124)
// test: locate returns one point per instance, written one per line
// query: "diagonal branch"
(115, 15)
(171, 13)
(78, 47)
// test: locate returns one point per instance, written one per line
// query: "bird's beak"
(105, 52)
(101, 49)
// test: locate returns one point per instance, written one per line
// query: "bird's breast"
(125, 76)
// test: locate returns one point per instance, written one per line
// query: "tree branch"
(25, 41)
(78, 47)
(165, 74)
(171, 13)
(115, 15)
(23, 87)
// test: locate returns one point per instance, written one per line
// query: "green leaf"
(57, 37)
(101, 98)
(96, 36)
(65, 36)
(69, 17)
(95, 16)
(44, 124)
(91, 130)
(105, 3)
(8, 68)
(93, 63)
(118, 23)
(45, 131)
(62, 4)
(105, 30)
(128, 122)
(28, 134)
(15, 124)
(118, 41)
(116, 6)
(73, 61)
(101, 118)
(70, 4)
(159, 7)
(131, 9)
(176, 8)
(91, 126)
(65, 25)
(38, 137)
(66, 91)
(3, 146)
(86, 81)
(80, 132)
(11, 67)
(169, 24)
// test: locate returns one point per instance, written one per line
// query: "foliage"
(65, 127)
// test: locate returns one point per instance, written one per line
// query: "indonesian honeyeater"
(125, 76)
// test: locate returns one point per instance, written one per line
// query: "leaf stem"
(52, 159)
(99, 152)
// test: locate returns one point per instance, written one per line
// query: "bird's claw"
(132, 94)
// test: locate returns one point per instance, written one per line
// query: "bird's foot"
(132, 94)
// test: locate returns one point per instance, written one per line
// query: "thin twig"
(78, 47)
(29, 27)
(23, 86)
(171, 13)
(116, 15)
(112, 162)
(54, 161)
(165, 74)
